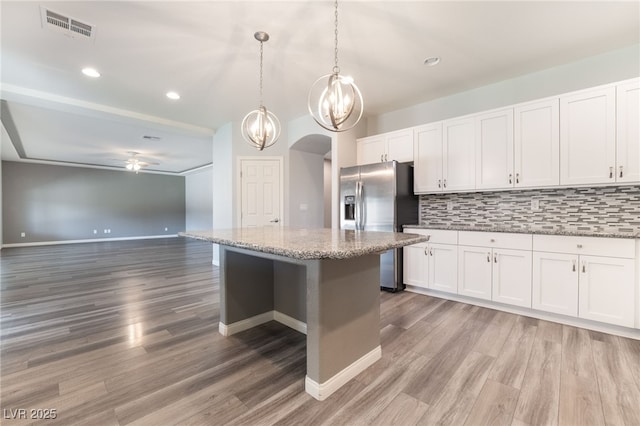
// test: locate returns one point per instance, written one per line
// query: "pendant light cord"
(261, 73)
(336, 68)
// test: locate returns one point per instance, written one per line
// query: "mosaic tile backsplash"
(614, 210)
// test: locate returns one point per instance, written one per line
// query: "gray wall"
(306, 189)
(56, 203)
(199, 200)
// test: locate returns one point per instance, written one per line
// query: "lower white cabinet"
(606, 291)
(501, 275)
(594, 285)
(432, 265)
(555, 283)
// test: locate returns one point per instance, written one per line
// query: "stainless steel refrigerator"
(379, 197)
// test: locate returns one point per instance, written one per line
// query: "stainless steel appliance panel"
(378, 190)
(349, 178)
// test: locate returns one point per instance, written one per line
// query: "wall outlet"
(95, 231)
(535, 204)
(108, 230)
(105, 231)
(166, 229)
(449, 205)
(23, 234)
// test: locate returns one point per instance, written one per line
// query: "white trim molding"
(245, 324)
(91, 240)
(322, 391)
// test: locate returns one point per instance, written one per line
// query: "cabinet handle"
(620, 171)
(381, 157)
(426, 253)
(510, 177)
(495, 258)
(428, 237)
(610, 172)
(574, 266)
(492, 240)
(489, 257)
(431, 252)
(517, 177)
(386, 158)
(445, 183)
(439, 183)
(579, 246)
(584, 266)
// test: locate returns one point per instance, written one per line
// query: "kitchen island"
(340, 272)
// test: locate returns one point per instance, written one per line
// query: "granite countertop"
(538, 229)
(307, 244)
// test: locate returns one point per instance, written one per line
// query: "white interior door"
(261, 192)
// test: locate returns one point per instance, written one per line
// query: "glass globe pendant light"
(261, 128)
(335, 102)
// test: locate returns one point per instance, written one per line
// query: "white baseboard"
(245, 324)
(322, 391)
(290, 322)
(528, 312)
(92, 240)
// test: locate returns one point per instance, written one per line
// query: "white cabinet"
(628, 131)
(428, 157)
(592, 278)
(458, 154)
(494, 150)
(537, 144)
(606, 291)
(495, 267)
(588, 137)
(433, 264)
(386, 147)
(555, 283)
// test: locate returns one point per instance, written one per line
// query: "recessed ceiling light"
(90, 72)
(173, 95)
(434, 60)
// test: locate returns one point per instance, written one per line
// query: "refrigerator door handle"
(362, 211)
(359, 206)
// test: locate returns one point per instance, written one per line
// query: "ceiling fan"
(135, 163)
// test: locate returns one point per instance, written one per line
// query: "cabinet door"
(458, 171)
(400, 146)
(607, 291)
(415, 263)
(537, 144)
(427, 150)
(628, 134)
(555, 283)
(587, 137)
(443, 267)
(494, 150)
(370, 150)
(474, 272)
(512, 277)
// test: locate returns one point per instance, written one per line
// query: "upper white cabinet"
(427, 151)
(628, 131)
(494, 150)
(458, 154)
(386, 147)
(537, 144)
(588, 137)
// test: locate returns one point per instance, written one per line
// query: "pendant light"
(335, 102)
(261, 128)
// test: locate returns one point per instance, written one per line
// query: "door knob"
(276, 220)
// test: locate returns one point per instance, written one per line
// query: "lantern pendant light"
(335, 102)
(261, 128)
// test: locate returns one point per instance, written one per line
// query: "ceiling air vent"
(66, 25)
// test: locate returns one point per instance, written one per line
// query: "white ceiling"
(206, 51)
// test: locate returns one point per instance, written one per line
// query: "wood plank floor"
(120, 333)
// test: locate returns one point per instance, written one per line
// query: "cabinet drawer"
(593, 246)
(495, 239)
(440, 236)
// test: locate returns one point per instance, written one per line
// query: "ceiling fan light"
(129, 166)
